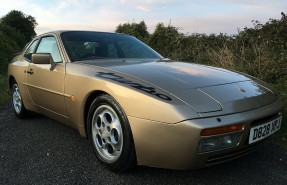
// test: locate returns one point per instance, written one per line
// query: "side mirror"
(43, 58)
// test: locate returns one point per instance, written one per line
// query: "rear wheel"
(110, 134)
(17, 102)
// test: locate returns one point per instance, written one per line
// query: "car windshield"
(84, 45)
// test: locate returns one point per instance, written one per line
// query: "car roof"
(64, 31)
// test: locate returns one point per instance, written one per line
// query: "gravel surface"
(39, 150)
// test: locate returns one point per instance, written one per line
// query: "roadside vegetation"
(16, 29)
(260, 51)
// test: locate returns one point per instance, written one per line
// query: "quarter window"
(30, 50)
(49, 45)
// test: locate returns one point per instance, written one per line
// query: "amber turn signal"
(222, 130)
(73, 98)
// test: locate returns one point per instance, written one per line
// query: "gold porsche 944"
(136, 107)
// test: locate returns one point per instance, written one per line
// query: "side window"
(49, 45)
(30, 50)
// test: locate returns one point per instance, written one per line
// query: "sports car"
(139, 108)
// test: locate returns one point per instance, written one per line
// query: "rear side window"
(30, 50)
(49, 45)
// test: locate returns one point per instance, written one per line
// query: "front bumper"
(175, 146)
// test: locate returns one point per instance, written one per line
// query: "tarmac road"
(39, 150)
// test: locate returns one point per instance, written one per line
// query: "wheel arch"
(89, 100)
(10, 82)
(129, 155)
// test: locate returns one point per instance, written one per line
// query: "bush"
(11, 41)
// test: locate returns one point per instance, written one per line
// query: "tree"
(166, 40)
(138, 30)
(21, 22)
(11, 41)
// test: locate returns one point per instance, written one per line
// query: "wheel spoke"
(115, 132)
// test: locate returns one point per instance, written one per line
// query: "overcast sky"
(191, 16)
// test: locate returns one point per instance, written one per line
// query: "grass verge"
(4, 96)
(281, 136)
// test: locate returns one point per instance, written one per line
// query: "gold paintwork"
(157, 143)
(48, 84)
(166, 133)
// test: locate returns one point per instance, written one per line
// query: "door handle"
(30, 72)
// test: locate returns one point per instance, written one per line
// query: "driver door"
(45, 86)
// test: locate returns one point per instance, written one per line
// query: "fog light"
(213, 143)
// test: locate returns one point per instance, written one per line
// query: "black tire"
(17, 102)
(106, 120)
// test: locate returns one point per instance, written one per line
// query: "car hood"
(205, 89)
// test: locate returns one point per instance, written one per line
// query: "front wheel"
(17, 102)
(110, 134)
